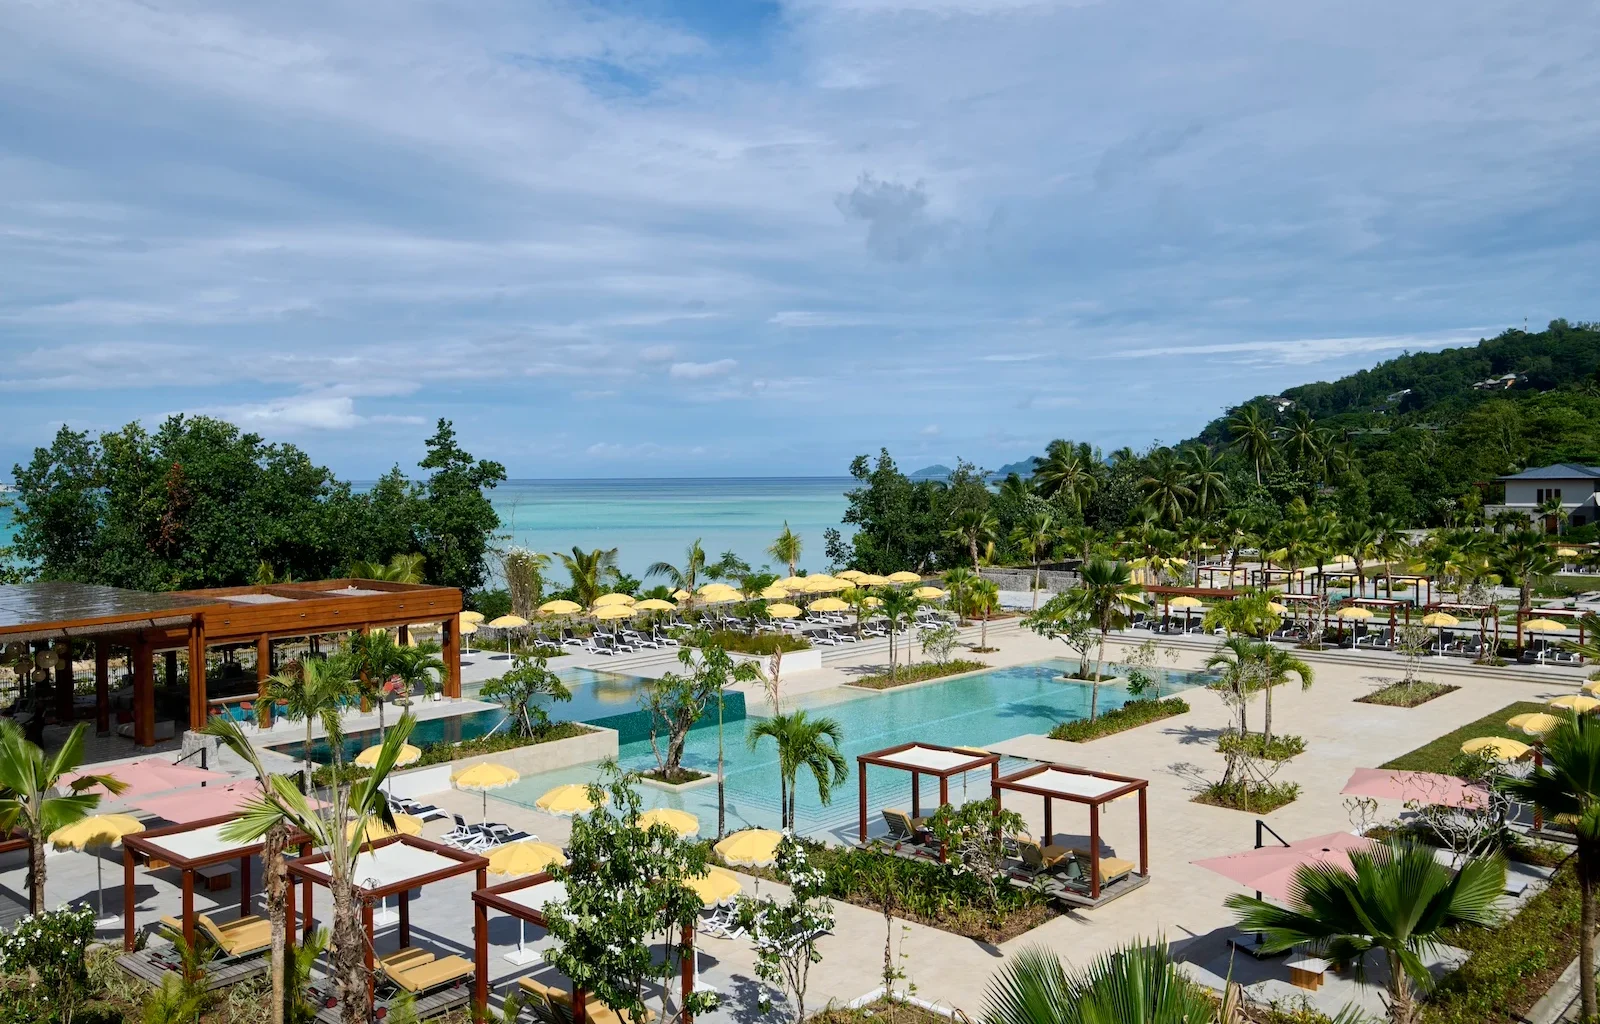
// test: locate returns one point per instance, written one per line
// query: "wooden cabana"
(1383, 604)
(56, 615)
(1229, 574)
(1266, 577)
(1166, 594)
(1093, 789)
(1419, 582)
(1572, 614)
(1488, 615)
(525, 899)
(921, 759)
(392, 866)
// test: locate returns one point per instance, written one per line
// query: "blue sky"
(718, 238)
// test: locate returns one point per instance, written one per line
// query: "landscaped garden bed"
(1130, 716)
(1405, 694)
(918, 673)
(443, 753)
(1253, 798)
(761, 644)
(1438, 755)
(884, 1011)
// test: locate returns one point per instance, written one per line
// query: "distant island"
(938, 471)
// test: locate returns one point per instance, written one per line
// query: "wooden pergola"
(1382, 604)
(1092, 789)
(1265, 577)
(55, 615)
(1210, 572)
(386, 867)
(924, 759)
(525, 899)
(1166, 594)
(1547, 613)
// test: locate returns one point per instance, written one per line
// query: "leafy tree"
(899, 522)
(786, 548)
(940, 642)
(898, 609)
(1521, 556)
(1063, 618)
(1397, 899)
(803, 742)
(784, 935)
(522, 692)
(1105, 595)
(456, 518)
(30, 803)
(524, 575)
(590, 572)
(978, 836)
(675, 702)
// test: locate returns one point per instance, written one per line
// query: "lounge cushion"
(431, 975)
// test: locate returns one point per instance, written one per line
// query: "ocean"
(654, 520)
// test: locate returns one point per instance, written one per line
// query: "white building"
(1577, 487)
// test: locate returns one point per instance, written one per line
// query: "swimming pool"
(975, 710)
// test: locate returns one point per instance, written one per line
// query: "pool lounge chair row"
(485, 836)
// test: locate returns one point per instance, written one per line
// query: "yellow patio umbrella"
(869, 580)
(470, 616)
(507, 623)
(929, 593)
(525, 857)
(568, 800)
(368, 758)
(829, 604)
(783, 611)
(718, 593)
(1276, 608)
(1544, 626)
(904, 577)
(615, 611)
(1500, 747)
(681, 822)
(774, 593)
(1567, 552)
(850, 574)
(1353, 612)
(466, 629)
(404, 825)
(1186, 601)
(94, 831)
(716, 887)
(791, 582)
(1575, 702)
(754, 847)
(1591, 687)
(824, 585)
(606, 600)
(483, 777)
(654, 604)
(681, 595)
(1535, 723)
(871, 602)
(560, 608)
(1440, 619)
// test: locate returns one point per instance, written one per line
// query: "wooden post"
(450, 653)
(944, 799)
(861, 785)
(916, 795)
(480, 967)
(144, 693)
(580, 1012)
(1144, 831)
(188, 909)
(127, 899)
(288, 914)
(1049, 826)
(263, 670)
(366, 947)
(405, 918)
(1094, 851)
(64, 712)
(102, 687)
(688, 971)
(244, 886)
(197, 675)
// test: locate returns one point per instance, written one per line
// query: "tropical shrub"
(1131, 715)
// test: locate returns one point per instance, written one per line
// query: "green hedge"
(919, 673)
(1131, 715)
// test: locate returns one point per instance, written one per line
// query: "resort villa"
(1577, 488)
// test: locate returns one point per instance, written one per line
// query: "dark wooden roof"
(81, 607)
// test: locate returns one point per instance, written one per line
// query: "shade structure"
(754, 847)
(792, 582)
(470, 616)
(850, 574)
(1276, 608)
(1592, 687)
(824, 585)
(507, 622)
(829, 604)
(1536, 723)
(1501, 747)
(654, 604)
(681, 822)
(718, 593)
(1185, 601)
(615, 611)
(467, 628)
(1544, 626)
(1440, 619)
(149, 777)
(1575, 702)
(560, 608)
(404, 825)
(904, 577)
(1354, 612)
(1271, 869)
(196, 804)
(774, 593)
(605, 600)
(95, 831)
(681, 595)
(929, 593)
(867, 579)
(1415, 787)
(524, 858)
(368, 758)
(568, 800)
(783, 611)
(484, 777)
(716, 887)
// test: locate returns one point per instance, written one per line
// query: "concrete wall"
(1051, 581)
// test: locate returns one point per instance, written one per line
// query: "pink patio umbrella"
(211, 802)
(150, 777)
(1271, 869)
(1416, 787)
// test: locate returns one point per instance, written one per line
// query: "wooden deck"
(430, 1005)
(153, 964)
(1074, 896)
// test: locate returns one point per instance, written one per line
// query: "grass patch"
(443, 753)
(1130, 716)
(884, 1011)
(1512, 965)
(758, 643)
(919, 673)
(1407, 695)
(1254, 797)
(677, 778)
(1438, 755)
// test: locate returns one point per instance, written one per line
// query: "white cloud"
(931, 430)
(1304, 350)
(701, 371)
(657, 353)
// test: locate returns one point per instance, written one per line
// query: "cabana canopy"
(923, 759)
(1094, 789)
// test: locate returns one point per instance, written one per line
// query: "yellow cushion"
(245, 935)
(1110, 867)
(410, 956)
(432, 974)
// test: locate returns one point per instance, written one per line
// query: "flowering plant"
(784, 935)
(49, 948)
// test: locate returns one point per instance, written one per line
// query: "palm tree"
(314, 690)
(1166, 485)
(418, 666)
(1252, 435)
(373, 657)
(1033, 537)
(1398, 899)
(972, 528)
(1302, 444)
(1067, 469)
(1393, 544)
(338, 826)
(1105, 593)
(1360, 541)
(1523, 555)
(685, 576)
(1567, 785)
(899, 605)
(957, 581)
(1135, 984)
(1015, 489)
(803, 742)
(591, 572)
(1206, 478)
(786, 548)
(1277, 665)
(28, 798)
(401, 569)
(1325, 535)
(1237, 657)
(985, 597)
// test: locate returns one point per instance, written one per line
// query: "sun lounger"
(241, 937)
(405, 959)
(421, 976)
(593, 1009)
(1112, 869)
(1038, 859)
(903, 827)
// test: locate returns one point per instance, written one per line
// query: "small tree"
(975, 836)
(1413, 643)
(675, 702)
(1060, 618)
(1143, 676)
(626, 886)
(521, 691)
(784, 935)
(940, 642)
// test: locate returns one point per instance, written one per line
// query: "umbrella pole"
(99, 888)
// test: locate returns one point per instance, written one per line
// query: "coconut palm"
(804, 742)
(1067, 469)
(685, 576)
(1277, 665)
(1521, 556)
(1105, 593)
(1567, 786)
(1325, 536)
(591, 572)
(1302, 444)
(373, 655)
(972, 528)
(1252, 435)
(1135, 984)
(29, 801)
(1238, 659)
(899, 607)
(1206, 479)
(1393, 545)
(1359, 539)
(402, 568)
(984, 596)
(338, 826)
(957, 581)
(314, 690)
(1398, 899)
(786, 548)
(418, 667)
(1166, 485)
(1034, 537)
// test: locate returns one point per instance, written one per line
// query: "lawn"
(1438, 755)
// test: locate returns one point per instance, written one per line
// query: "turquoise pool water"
(972, 711)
